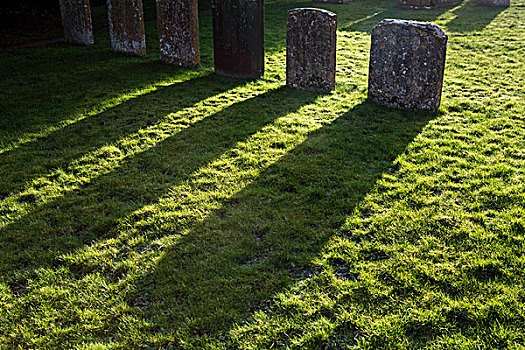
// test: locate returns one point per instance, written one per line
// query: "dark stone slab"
(310, 49)
(238, 37)
(494, 3)
(76, 20)
(178, 25)
(407, 63)
(426, 4)
(126, 26)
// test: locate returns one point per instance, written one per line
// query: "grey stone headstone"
(494, 3)
(407, 63)
(126, 26)
(178, 25)
(76, 20)
(238, 37)
(311, 49)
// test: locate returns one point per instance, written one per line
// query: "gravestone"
(310, 49)
(126, 26)
(178, 25)
(238, 37)
(425, 4)
(494, 3)
(76, 20)
(407, 63)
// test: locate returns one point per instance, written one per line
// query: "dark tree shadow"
(264, 238)
(471, 17)
(58, 150)
(92, 212)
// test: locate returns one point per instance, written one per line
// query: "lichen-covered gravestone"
(126, 26)
(178, 25)
(425, 4)
(310, 49)
(494, 3)
(238, 37)
(76, 20)
(407, 63)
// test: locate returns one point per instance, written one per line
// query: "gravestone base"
(407, 64)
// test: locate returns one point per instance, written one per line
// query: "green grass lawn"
(145, 206)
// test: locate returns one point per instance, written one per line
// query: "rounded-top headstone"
(311, 49)
(407, 63)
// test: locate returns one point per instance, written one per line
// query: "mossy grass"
(146, 206)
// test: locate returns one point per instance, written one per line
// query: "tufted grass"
(145, 206)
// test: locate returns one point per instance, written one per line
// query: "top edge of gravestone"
(432, 28)
(313, 9)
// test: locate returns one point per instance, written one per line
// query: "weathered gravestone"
(126, 26)
(407, 63)
(310, 49)
(494, 3)
(178, 25)
(425, 4)
(76, 20)
(238, 37)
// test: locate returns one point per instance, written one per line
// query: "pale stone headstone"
(178, 25)
(494, 3)
(407, 63)
(76, 20)
(310, 49)
(238, 37)
(126, 26)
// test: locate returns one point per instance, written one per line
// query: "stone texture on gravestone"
(407, 63)
(178, 25)
(126, 26)
(238, 37)
(494, 3)
(311, 49)
(76, 20)
(425, 4)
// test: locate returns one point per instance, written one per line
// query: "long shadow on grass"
(38, 158)
(92, 213)
(54, 85)
(265, 237)
(471, 17)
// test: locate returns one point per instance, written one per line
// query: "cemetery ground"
(149, 206)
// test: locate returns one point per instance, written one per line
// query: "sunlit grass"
(150, 206)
